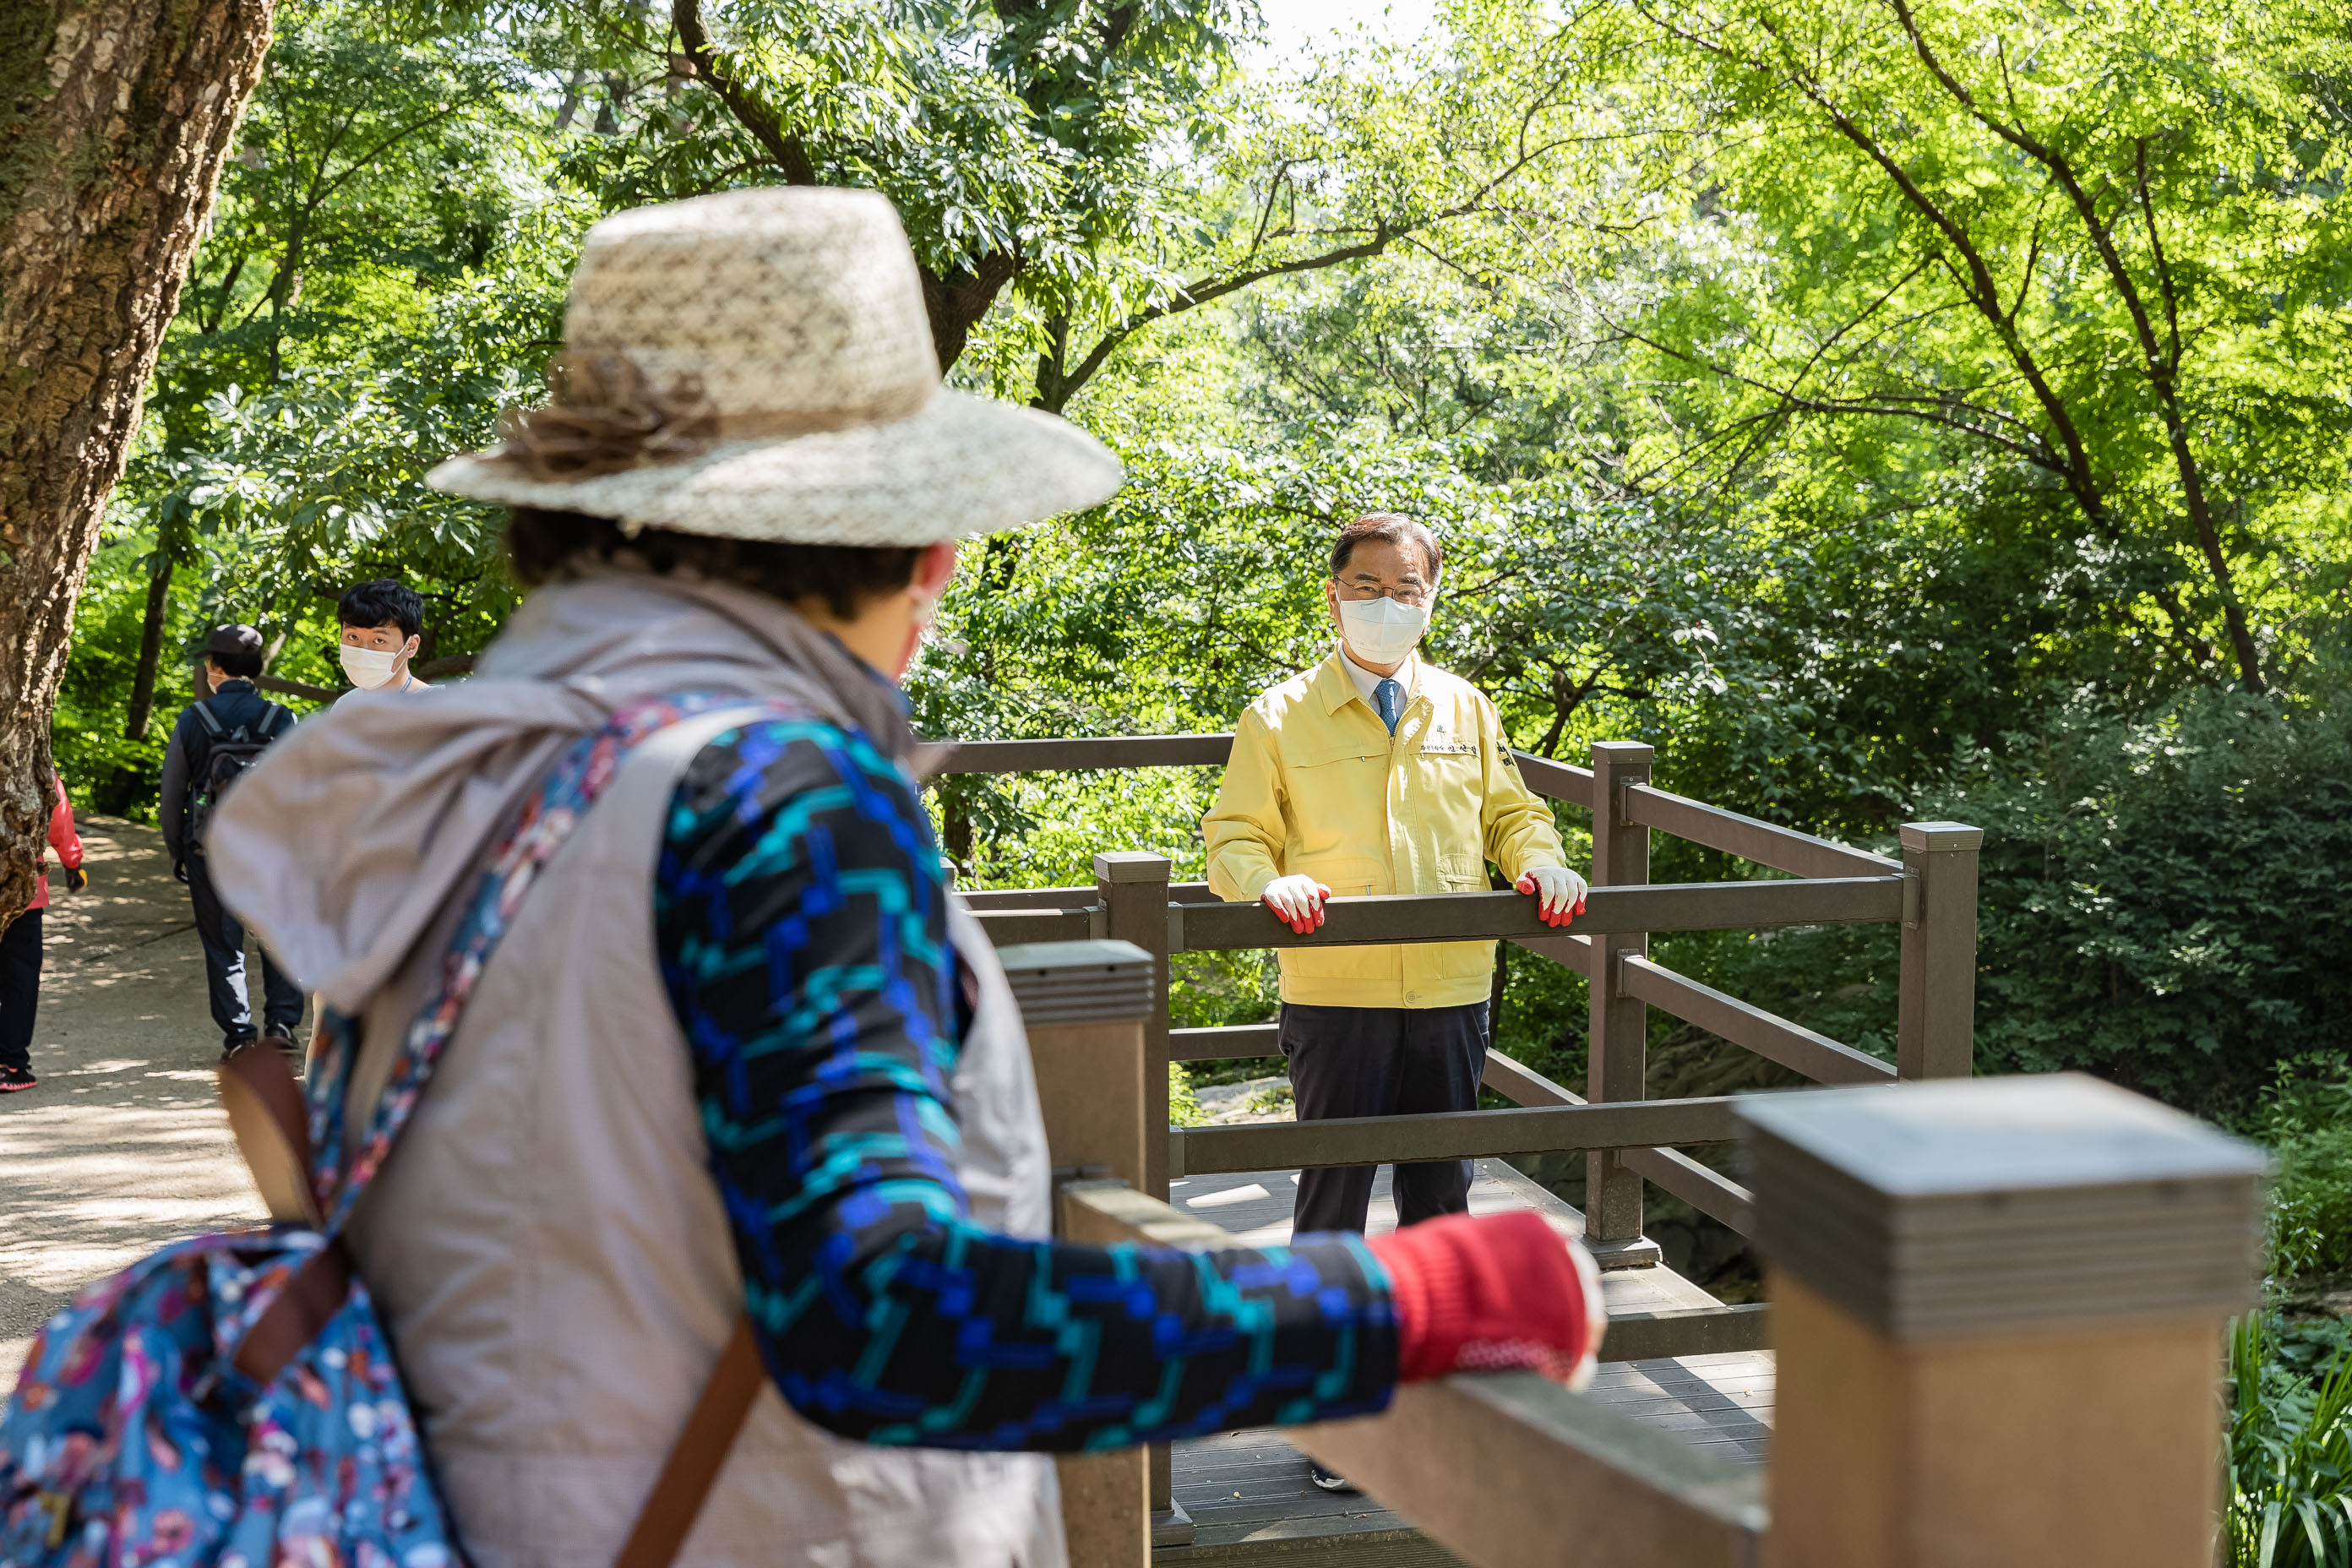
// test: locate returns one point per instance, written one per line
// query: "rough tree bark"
(115, 116)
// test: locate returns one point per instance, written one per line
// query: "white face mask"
(370, 668)
(1381, 631)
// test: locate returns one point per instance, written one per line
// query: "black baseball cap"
(233, 639)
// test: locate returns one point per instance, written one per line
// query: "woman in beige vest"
(741, 1051)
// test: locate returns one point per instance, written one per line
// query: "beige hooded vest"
(546, 1243)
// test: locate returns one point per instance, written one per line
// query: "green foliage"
(2089, 254)
(2290, 1454)
(2306, 1120)
(1183, 1109)
(1665, 318)
(383, 272)
(86, 734)
(2162, 898)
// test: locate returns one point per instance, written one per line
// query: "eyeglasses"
(1413, 594)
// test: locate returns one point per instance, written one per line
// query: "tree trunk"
(115, 116)
(151, 650)
(957, 301)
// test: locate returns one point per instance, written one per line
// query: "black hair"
(543, 544)
(385, 599)
(1394, 527)
(241, 666)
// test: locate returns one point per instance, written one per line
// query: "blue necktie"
(1389, 697)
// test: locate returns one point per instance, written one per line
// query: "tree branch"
(766, 127)
(2160, 371)
(1193, 295)
(2156, 248)
(372, 154)
(1932, 409)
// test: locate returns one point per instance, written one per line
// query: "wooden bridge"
(1663, 1460)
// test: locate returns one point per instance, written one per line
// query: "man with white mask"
(383, 625)
(1376, 773)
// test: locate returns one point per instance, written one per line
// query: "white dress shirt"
(1366, 681)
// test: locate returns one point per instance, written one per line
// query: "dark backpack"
(227, 755)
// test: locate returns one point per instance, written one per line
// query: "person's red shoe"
(14, 1081)
(1497, 1294)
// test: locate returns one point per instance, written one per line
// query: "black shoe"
(1328, 1480)
(230, 1048)
(285, 1044)
(14, 1081)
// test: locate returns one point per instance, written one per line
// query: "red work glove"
(1296, 901)
(1503, 1293)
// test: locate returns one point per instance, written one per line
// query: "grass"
(2289, 1450)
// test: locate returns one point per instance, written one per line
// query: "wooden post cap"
(1080, 982)
(1933, 837)
(2003, 1205)
(1131, 865)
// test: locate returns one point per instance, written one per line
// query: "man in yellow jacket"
(1374, 773)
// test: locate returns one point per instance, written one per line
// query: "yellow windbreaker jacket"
(1317, 785)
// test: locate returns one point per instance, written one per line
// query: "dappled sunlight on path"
(123, 1146)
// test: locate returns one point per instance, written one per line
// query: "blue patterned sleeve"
(801, 920)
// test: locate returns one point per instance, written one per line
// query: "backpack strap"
(340, 1171)
(210, 720)
(697, 1455)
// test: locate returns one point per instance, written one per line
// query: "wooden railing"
(2002, 1300)
(1628, 1139)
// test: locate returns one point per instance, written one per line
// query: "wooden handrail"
(1773, 1038)
(1750, 838)
(1015, 927)
(1766, 843)
(1446, 1135)
(1383, 919)
(1556, 779)
(1931, 893)
(1714, 1194)
(1511, 1471)
(1687, 1331)
(994, 900)
(1064, 753)
(1237, 1041)
(1491, 1465)
(1387, 918)
(1711, 1194)
(1111, 1211)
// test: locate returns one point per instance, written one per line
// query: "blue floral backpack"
(233, 1399)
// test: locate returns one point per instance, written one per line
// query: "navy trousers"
(1383, 1061)
(224, 944)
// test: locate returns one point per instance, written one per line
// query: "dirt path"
(122, 1147)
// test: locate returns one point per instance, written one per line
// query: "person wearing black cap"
(215, 741)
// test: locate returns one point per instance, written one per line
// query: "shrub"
(2306, 1118)
(2163, 898)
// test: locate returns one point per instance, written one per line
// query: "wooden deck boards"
(1247, 1491)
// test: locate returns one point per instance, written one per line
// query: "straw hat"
(758, 365)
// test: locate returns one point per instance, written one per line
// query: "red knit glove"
(1498, 1294)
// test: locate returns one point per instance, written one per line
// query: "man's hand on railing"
(1559, 893)
(1501, 1293)
(1296, 901)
